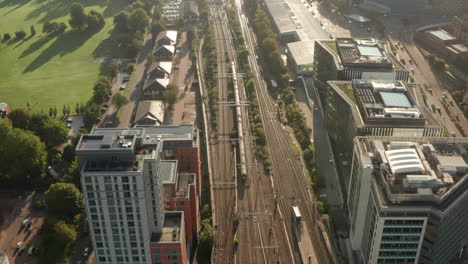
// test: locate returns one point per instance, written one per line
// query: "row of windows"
(135, 259)
(403, 222)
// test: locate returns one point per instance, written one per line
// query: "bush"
(20, 34)
(6, 37)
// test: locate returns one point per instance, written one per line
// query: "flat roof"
(302, 51)
(168, 171)
(370, 51)
(415, 169)
(442, 34)
(279, 10)
(172, 230)
(148, 135)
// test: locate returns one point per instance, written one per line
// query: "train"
(240, 130)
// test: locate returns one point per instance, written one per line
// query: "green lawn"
(52, 71)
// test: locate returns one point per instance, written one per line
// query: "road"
(424, 75)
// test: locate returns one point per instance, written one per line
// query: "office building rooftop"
(382, 102)
(442, 34)
(361, 51)
(420, 170)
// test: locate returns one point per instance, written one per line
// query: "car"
(105, 106)
(25, 222)
(110, 92)
(30, 229)
(21, 251)
(30, 251)
(86, 252)
(19, 244)
(69, 125)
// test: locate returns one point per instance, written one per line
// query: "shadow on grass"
(23, 41)
(64, 44)
(109, 48)
(36, 45)
(16, 3)
(52, 9)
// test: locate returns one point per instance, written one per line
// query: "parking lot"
(15, 208)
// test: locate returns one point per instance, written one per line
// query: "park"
(43, 70)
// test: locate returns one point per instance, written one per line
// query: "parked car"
(25, 222)
(30, 251)
(19, 244)
(86, 252)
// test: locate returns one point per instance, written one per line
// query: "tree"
(170, 94)
(62, 27)
(20, 34)
(157, 27)
(69, 153)
(49, 27)
(206, 240)
(53, 132)
(63, 233)
(90, 114)
(33, 31)
(268, 46)
(121, 22)
(134, 47)
(64, 199)
(119, 100)
(6, 37)
(191, 33)
(95, 20)
(115, 68)
(439, 65)
(101, 89)
(51, 112)
(22, 154)
(138, 20)
(78, 18)
(20, 118)
(55, 111)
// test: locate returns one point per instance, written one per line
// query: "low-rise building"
(169, 245)
(180, 195)
(301, 56)
(166, 37)
(349, 59)
(154, 88)
(285, 23)
(159, 70)
(164, 52)
(150, 112)
(373, 108)
(443, 43)
(408, 199)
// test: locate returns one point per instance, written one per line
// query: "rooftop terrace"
(172, 228)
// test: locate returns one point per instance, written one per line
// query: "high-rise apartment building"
(408, 199)
(121, 176)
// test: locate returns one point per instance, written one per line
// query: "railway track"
(291, 185)
(259, 232)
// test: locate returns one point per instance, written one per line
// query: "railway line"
(289, 179)
(260, 236)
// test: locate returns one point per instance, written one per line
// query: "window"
(125, 179)
(99, 245)
(102, 258)
(136, 258)
(88, 180)
(89, 187)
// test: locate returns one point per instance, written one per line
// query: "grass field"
(52, 71)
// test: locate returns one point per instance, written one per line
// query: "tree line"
(274, 64)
